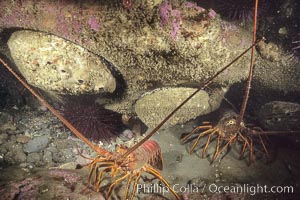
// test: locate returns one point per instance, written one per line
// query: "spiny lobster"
(231, 128)
(123, 163)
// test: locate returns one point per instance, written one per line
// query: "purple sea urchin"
(238, 9)
(94, 122)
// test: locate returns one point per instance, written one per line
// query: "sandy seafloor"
(55, 176)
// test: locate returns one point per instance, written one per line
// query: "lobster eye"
(231, 122)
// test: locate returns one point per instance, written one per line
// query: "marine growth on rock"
(57, 65)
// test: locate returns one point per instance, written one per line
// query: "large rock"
(57, 65)
(275, 70)
(280, 116)
(153, 107)
(152, 44)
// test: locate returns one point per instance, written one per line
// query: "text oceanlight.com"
(250, 189)
(214, 188)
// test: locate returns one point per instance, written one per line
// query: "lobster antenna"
(54, 111)
(249, 80)
(276, 132)
(203, 85)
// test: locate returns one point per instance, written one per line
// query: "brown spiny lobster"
(231, 128)
(124, 163)
(226, 133)
(146, 158)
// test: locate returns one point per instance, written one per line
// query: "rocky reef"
(169, 44)
(141, 58)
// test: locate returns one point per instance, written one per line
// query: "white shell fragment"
(57, 65)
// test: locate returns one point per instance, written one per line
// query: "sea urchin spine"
(239, 9)
(94, 122)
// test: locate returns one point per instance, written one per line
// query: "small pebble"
(22, 139)
(3, 138)
(36, 144)
(33, 157)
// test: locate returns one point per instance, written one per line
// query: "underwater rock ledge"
(149, 49)
(136, 42)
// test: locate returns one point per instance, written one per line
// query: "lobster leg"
(94, 167)
(98, 160)
(198, 139)
(262, 141)
(156, 173)
(246, 143)
(99, 177)
(230, 140)
(114, 183)
(215, 130)
(251, 151)
(217, 148)
(250, 144)
(264, 146)
(80, 153)
(185, 138)
(243, 150)
(138, 176)
(127, 187)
